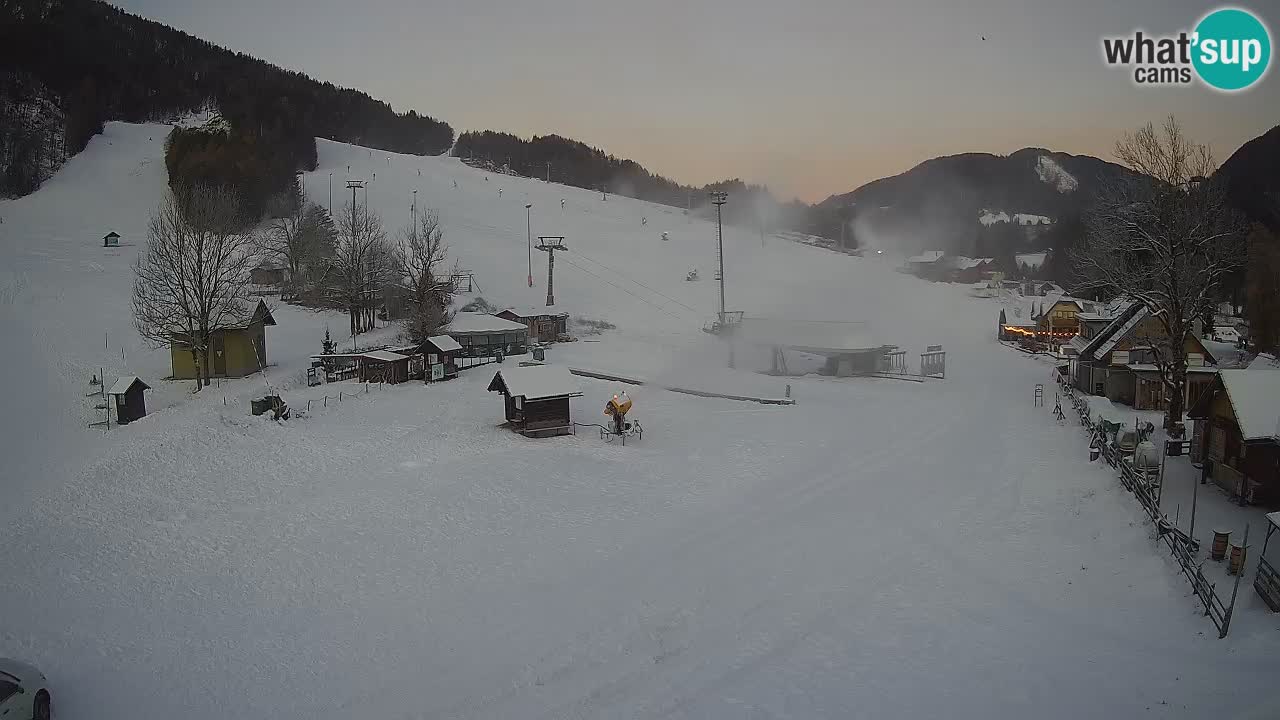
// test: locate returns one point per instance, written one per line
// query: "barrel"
(1236, 562)
(1218, 550)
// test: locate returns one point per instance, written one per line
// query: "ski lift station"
(845, 347)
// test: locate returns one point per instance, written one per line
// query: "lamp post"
(528, 237)
(413, 212)
(719, 199)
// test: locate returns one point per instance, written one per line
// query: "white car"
(24, 692)
(1226, 334)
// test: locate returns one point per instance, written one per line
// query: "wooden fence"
(1145, 486)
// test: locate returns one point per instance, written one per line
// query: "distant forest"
(575, 163)
(70, 65)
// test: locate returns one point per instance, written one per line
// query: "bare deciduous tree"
(301, 242)
(1166, 239)
(192, 278)
(362, 263)
(420, 256)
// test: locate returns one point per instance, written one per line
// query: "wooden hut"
(268, 273)
(384, 366)
(233, 352)
(537, 399)
(483, 335)
(544, 326)
(111, 239)
(442, 351)
(129, 402)
(1237, 430)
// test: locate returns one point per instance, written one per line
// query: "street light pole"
(528, 237)
(719, 199)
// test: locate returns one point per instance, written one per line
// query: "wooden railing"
(1267, 583)
(1146, 488)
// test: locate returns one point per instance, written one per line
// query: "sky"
(812, 97)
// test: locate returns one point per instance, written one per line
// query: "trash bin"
(539, 354)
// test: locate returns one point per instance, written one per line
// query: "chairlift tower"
(550, 244)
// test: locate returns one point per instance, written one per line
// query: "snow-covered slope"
(881, 548)
(1049, 171)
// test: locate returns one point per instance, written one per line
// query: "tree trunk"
(1177, 395)
(208, 368)
(195, 362)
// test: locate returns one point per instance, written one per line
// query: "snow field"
(879, 549)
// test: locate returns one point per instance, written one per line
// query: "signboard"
(415, 365)
(437, 372)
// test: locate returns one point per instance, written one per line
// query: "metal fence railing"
(1144, 484)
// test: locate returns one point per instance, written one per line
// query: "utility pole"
(550, 244)
(354, 185)
(528, 238)
(330, 195)
(719, 199)
(548, 171)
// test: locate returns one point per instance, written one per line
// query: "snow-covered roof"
(384, 355)
(991, 218)
(1148, 367)
(536, 382)
(444, 343)
(964, 263)
(927, 256)
(1078, 343)
(1255, 396)
(260, 312)
(123, 384)
(474, 322)
(1106, 310)
(1274, 518)
(534, 311)
(1121, 329)
(1032, 260)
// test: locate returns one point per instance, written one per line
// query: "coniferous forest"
(70, 65)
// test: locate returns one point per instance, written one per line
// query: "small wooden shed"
(384, 366)
(268, 273)
(441, 350)
(111, 239)
(537, 399)
(129, 402)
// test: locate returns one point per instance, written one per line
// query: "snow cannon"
(617, 408)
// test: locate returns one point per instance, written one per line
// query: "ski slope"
(879, 549)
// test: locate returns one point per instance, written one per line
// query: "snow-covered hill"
(881, 548)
